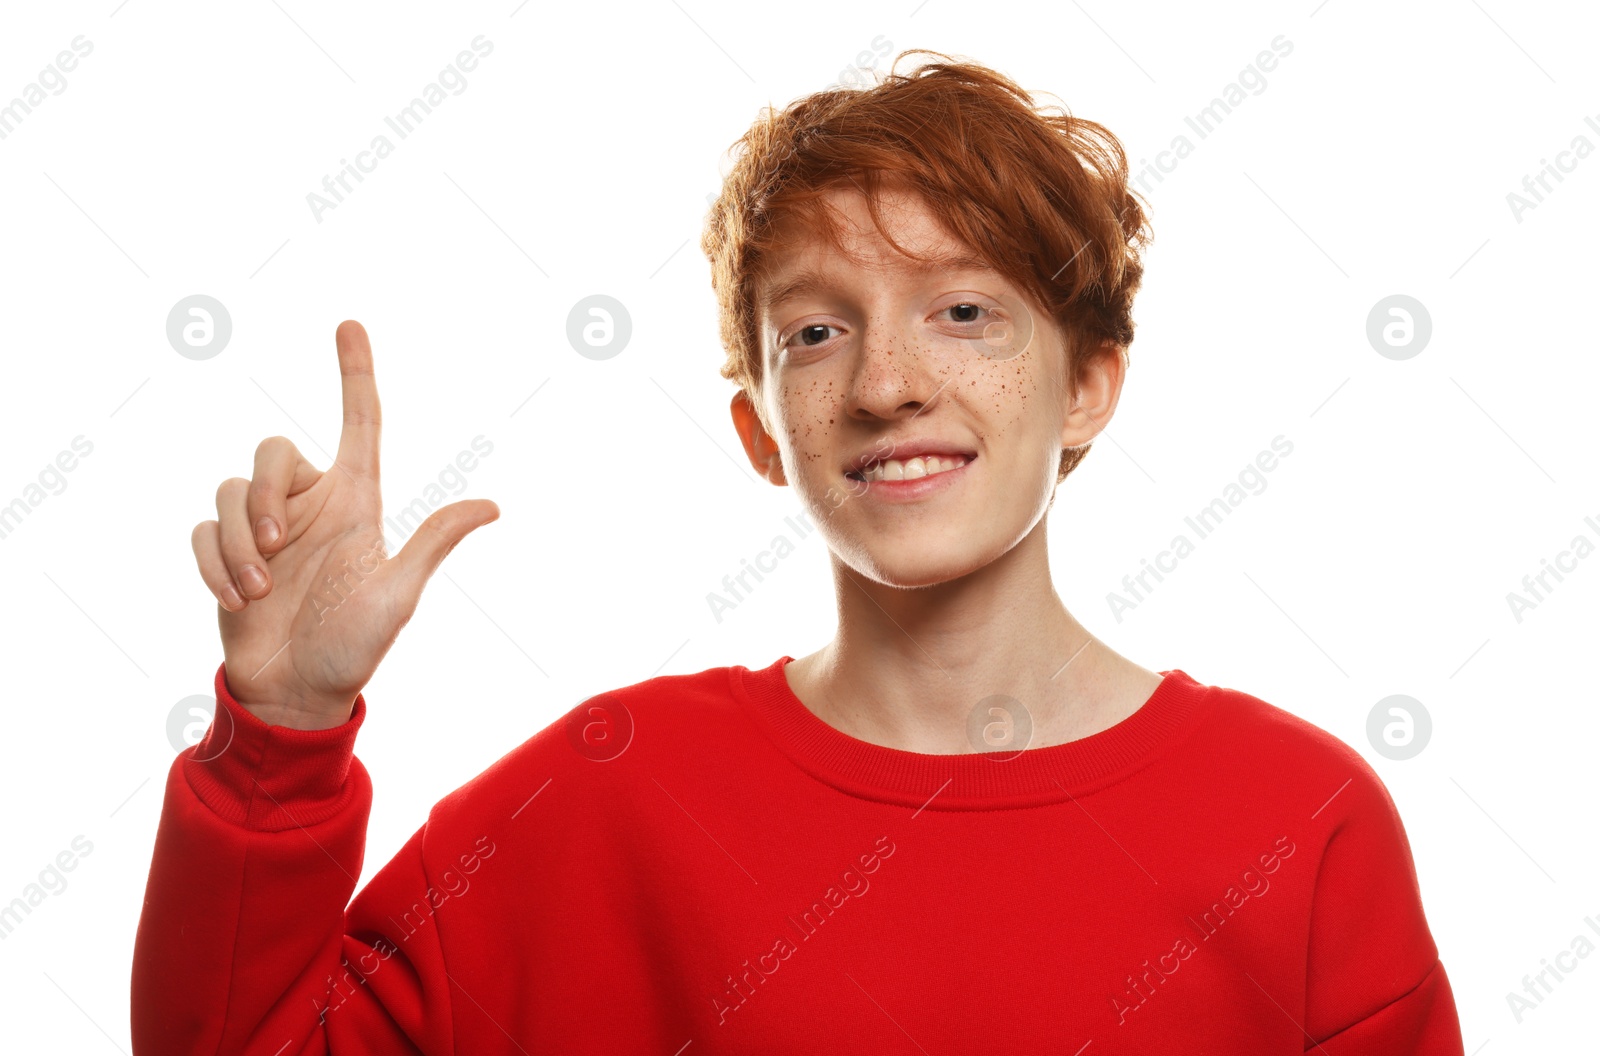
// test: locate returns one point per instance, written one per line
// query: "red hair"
(1042, 196)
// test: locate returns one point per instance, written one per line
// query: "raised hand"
(309, 601)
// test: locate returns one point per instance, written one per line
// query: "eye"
(809, 336)
(968, 313)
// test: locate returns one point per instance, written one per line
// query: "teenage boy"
(963, 825)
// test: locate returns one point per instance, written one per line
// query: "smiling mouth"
(909, 468)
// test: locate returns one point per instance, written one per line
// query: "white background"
(578, 160)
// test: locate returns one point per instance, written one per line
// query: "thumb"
(422, 554)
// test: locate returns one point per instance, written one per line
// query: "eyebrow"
(809, 281)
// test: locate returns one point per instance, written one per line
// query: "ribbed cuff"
(269, 778)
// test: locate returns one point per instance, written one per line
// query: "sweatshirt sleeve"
(1375, 985)
(246, 942)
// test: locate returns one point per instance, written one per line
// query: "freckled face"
(880, 350)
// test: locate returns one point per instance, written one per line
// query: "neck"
(908, 667)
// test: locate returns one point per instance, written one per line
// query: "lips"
(905, 449)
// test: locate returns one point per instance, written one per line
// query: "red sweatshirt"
(697, 864)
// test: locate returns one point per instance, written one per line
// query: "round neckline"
(972, 781)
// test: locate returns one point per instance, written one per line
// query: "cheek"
(1006, 395)
(807, 412)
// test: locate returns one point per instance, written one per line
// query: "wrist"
(300, 717)
(281, 706)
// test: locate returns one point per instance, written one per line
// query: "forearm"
(260, 843)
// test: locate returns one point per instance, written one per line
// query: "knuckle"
(238, 549)
(208, 560)
(272, 444)
(236, 543)
(231, 487)
(214, 575)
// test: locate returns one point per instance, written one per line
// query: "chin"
(910, 566)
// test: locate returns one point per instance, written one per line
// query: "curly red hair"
(1042, 196)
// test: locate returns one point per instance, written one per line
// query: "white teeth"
(911, 469)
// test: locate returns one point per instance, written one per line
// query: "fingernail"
(230, 598)
(266, 531)
(252, 580)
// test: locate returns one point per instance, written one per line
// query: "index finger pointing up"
(358, 442)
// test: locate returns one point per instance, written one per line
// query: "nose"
(893, 376)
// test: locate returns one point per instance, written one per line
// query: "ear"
(758, 445)
(1099, 379)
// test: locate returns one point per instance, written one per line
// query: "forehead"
(807, 259)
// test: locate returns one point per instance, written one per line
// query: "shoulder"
(601, 743)
(1267, 745)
